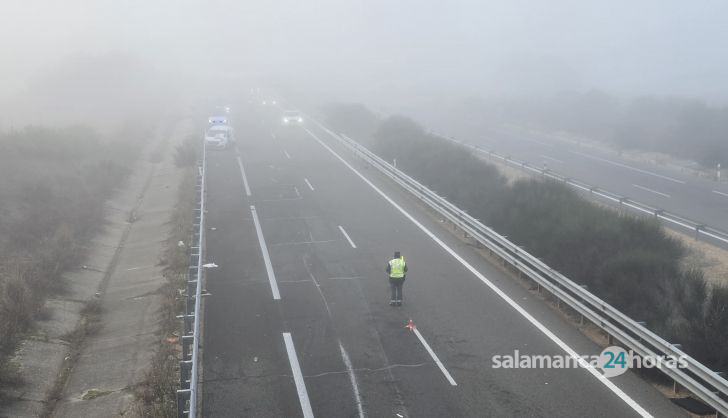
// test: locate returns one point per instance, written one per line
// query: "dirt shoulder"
(97, 339)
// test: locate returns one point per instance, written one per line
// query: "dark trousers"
(396, 286)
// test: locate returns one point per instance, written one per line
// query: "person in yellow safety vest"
(397, 269)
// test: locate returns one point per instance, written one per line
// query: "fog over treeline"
(64, 59)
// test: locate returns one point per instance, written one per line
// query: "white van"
(218, 136)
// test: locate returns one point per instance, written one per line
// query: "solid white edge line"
(552, 158)
(352, 379)
(611, 386)
(720, 193)
(434, 357)
(298, 376)
(266, 256)
(341, 228)
(245, 178)
(647, 189)
(308, 183)
(639, 170)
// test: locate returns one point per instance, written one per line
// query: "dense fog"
(411, 56)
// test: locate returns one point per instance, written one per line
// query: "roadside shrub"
(351, 117)
(188, 152)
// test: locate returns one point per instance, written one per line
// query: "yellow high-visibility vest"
(396, 268)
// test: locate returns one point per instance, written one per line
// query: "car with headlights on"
(292, 117)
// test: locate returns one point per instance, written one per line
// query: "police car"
(219, 134)
(217, 120)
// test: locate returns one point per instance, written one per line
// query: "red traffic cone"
(410, 325)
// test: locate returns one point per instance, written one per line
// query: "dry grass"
(156, 396)
(701, 255)
(53, 185)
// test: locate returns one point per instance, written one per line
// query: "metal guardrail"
(704, 383)
(698, 228)
(187, 395)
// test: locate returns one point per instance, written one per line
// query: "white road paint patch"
(552, 159)
(605, 381)
(352, 379)
(245, 178)
(266, 256)
(298, 376)
(308, 183)
(639, 170)
(280, 244)
(650, 190)
(287, 154)
(720, 193)
(341, 228)
(535, 141)
(434, 357)
(344, 354)
(280, 199)
(318, 288)
(295, 189)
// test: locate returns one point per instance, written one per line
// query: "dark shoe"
(392, 303)
(399, 303)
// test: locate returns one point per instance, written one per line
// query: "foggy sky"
(375, 48)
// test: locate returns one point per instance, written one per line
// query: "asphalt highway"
(298, 321)
(679, 192)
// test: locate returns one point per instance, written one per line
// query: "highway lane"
(328, 235)
(680, 193)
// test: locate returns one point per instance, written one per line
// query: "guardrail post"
(182, 397)
(187, 341)
(581, 319)
(184, 373)
(697, 230)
